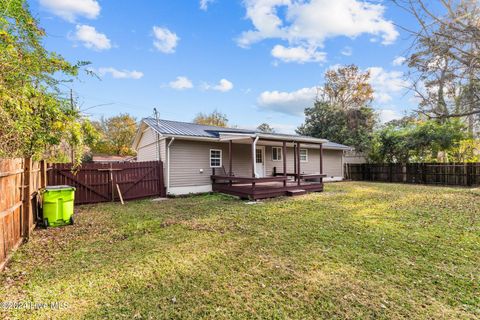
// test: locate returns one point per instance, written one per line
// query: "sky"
(254, 60)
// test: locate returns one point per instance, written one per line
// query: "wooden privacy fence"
(20, 180)
(451, 174)
(97, 182)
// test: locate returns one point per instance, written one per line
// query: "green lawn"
(357, 250)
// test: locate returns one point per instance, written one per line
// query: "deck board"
(265, 190)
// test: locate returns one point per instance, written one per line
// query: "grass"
(357, 250)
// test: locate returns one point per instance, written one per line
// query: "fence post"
(26, 206)
(423, 169)
(43, 174)
(469, 174)
(161, 190)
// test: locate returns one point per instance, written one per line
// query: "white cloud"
(398, 61)
(165, 40)
(120, 74)
(181, 83)
(70, 9)
(386, 83)
(310, 23)
(91, 38)
(293, 103)
(298, 54)
(204, 4)
(223, 85)
(347, 51)
(387, 115)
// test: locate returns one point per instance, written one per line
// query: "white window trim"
(221, 156)
(306, 155)
(281, 153)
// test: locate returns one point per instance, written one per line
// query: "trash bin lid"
(57, 188)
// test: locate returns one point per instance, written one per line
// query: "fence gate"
(97, 182)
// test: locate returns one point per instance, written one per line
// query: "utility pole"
(71, 100)
(157, 135)
(72, 106)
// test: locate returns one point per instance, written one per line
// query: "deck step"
(296, 192)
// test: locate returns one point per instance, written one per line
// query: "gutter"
(254, 148)
(168, 164)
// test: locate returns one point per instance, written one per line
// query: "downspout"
(254, 148)
(168, 164)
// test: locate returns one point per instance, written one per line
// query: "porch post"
(321, 158)
(284, 158)
(253, 159)
(253, 164)
(294, 161)
(230, 172)
(298, 163)
(321, 162)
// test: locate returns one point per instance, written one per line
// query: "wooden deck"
(262, 188)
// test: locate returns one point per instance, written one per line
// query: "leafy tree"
(467, 150)
(342, 111)
(265, 128)
(417, 140)
(215, 118)
(116, 135)
(38, 118)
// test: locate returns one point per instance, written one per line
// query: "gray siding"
(187, 158)
(332, 162)
(147, 149)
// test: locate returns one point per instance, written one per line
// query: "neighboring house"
(192, 153)
(351, 156)
(108, 159)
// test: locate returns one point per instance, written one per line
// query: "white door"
(260, 161)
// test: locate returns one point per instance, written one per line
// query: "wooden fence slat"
(452, 174)
(95, 182)
(20, 180)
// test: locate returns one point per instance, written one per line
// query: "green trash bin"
(57, 205)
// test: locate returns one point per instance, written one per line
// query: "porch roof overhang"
(270, 137)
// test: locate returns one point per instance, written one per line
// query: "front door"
(260, 161)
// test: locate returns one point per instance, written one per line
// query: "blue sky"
(255, 60)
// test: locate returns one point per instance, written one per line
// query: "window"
(258, 156)
(215, 158)
(303, 155)
(276, 154)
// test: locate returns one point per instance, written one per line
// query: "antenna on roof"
(155, 112)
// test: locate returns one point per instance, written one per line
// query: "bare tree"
(445, 57)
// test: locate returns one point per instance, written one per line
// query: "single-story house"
(247, 163)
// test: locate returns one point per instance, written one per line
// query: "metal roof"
(178, 128)
(169, 127)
